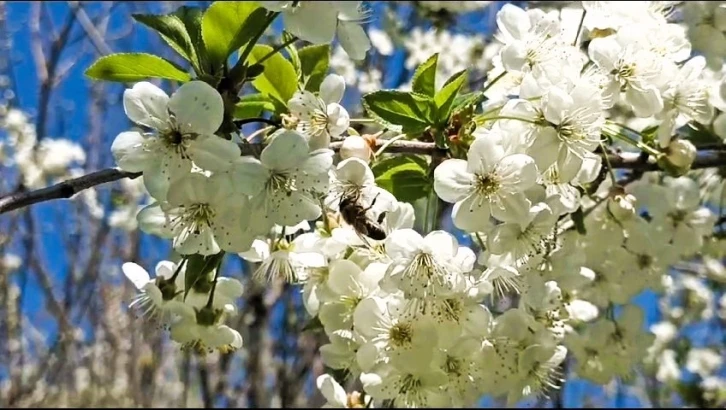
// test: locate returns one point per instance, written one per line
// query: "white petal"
(546, 148)
(136, 274)
(249, 174)
(201, 242)
(287, 150)
(555, 104)
(512, 208)
(517, 172)
(165, 269)
(213, 153)
(146, 104)
(313, 21)
(293, 208)
(442, 243)
(331, 390)
(156, 182)
(604, 52)
(230, 287)
(343, 277)
(644, 102)
(403, 243)
(513, 21)
(304, 104)
(353, 39)
(129, 153)
(369, 316)
(484, 154)
(153, 220)
(332, 88)
(197, 107)
(452, 181)
(472, 214)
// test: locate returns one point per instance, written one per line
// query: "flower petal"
(517, 172)
(472, 214)
(353, 39)
(331, 390)
(313, 21)
(403, 243)
(146, 104)
(287, 150)
(197, 107)
(136, 274)
(213, 153)
(129, 153)
(332, 88)
(452, 181)
(153, 220)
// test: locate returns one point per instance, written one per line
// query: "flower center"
(281, 182)
(487, 185)
(453, 366)
(644, 261)
(401, 334)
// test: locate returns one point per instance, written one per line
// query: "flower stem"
(480, 121)
(214, 283)
(494, 81)
(579, 27)
(178, 269)
(609, 166)
(630, 140)
(276, 50)
(240, 67)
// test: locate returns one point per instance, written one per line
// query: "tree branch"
(68, 188)
(65, 189)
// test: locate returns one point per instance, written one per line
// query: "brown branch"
(68, 188)
(65, 189)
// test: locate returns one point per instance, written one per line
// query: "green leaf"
(174, 31)
(447, 95)
(278, 81)
(228, 25)
(400, 111)
(405, 176)
(291, 50)
(132, 67)
(462, 101)
(192, 18)
(314, 62)
(199, 268)
(424, 78)
(252, 105)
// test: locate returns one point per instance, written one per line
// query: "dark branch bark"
(66, 189)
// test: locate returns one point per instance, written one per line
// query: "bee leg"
(381, 217)
(373, 202)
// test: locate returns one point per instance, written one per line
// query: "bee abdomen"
(375, 232)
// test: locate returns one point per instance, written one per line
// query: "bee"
(354, 214)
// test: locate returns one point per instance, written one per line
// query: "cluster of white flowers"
(36, 161)
(420, 319)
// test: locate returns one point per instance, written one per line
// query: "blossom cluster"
(421, 319)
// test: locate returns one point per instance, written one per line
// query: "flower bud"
(681, 153)
(356, 147)
(622, 205)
